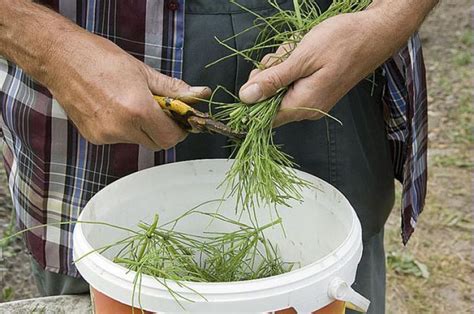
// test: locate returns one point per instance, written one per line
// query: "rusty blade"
(195, 121)
(207, 124)
(221, 128)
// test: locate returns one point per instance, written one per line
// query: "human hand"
(108, 94)
(331, 59)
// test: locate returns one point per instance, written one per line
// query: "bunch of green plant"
(167, 254)
(262, 174)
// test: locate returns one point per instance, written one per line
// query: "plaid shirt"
(53, 171)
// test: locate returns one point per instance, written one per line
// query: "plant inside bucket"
(322, 237)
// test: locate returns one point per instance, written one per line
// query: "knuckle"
(136, 112)
(274, 80)
(133, 107)
(175, 85)
(300, 63)
(266, 59)
(139, 105)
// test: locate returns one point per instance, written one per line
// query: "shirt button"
(173, 5)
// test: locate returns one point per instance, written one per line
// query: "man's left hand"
(330, 60)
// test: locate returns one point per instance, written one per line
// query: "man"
(76, 103)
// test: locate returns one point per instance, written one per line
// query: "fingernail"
(198, 89)
(251, 94)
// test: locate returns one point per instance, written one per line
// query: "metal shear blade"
(195, 121)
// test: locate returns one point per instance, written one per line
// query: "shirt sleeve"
(405, 100)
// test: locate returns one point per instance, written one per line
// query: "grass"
(405, 264)
(9, 230)
(463, 58)
(261, 175)
(7, 294)
(464, 112)
(453, 161)
(467, 37)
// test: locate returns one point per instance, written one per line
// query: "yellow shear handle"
(173, 105)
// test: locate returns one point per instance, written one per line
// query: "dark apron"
(354, 157)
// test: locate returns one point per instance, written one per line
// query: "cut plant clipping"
(167, 254)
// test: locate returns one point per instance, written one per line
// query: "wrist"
(30, 36)
(387, 27)
(56, 53)
(400, 18)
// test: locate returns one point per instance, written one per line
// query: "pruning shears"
(195, 121)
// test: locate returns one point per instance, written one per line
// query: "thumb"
(163, 85)
(266, 83)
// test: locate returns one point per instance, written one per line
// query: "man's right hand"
(107, 93)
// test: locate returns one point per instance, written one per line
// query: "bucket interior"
(313, 228)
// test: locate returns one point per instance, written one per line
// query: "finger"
(253, 73)
(282, 53)
(160, 128)
(271, 59)
(193, 99)
(287, 114)
(163, 85)
(307, 99)
(267, 82)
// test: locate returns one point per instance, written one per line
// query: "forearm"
(401, 17)
(29, 34)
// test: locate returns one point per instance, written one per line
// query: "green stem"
(298, 13)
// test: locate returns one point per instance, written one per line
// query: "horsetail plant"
(262, 174)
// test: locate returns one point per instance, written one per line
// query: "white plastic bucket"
(323, 233)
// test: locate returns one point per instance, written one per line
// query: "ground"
(433, 274)
(442, 241)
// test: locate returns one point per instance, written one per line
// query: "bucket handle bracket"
(340, 290)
